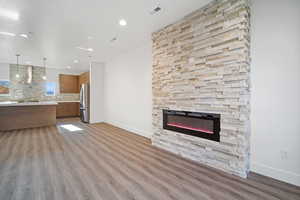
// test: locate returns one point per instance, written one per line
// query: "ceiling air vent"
(113, 39)
(155, 10)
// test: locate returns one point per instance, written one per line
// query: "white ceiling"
(59, 26)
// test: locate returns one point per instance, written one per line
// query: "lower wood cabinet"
(21, 117)
(67, 109)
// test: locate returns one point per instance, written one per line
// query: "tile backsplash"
(30, 85)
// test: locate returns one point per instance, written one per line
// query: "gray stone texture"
(21, 89)
(202, 63)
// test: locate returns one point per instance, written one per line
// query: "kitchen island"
(14, 115)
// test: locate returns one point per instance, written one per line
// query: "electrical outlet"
(155, 10)
(284, 155)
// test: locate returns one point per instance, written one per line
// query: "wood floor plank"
(103, 162)
(72, 169)
(9, 165)
(23, 189)
(122, 173)
(138, 171)
(40, 185)
(100, 190)
(216, 186)
(166, 178)
(256, 189)
(165, 165)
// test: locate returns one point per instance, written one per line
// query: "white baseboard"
(96, 122)
(279, 174)
(136, 131)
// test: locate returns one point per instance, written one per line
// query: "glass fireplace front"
(204, 125)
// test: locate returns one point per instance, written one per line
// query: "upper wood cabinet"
(84, 78)
(69, 83)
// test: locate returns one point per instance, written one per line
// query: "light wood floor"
(103, 162)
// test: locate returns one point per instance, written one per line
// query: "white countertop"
(74, 101)
(14, 103)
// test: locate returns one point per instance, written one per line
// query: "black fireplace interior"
(204, 125)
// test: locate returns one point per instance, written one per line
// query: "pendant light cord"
(44, 60)
(18, 68)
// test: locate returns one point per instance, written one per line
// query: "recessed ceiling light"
(24, 36)
(68, 67)
(9, 14)
(76, 61)
(123, 22)
(8, 34)
(85, 49)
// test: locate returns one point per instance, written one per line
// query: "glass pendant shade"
(18, 74)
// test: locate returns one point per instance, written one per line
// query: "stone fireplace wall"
(202, 63)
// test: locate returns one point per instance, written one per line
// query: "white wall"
(128, 90)
(96, 92)
(276, 89)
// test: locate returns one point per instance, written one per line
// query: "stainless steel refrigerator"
(85, 103)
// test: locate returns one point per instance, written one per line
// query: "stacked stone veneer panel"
(201, 63)
(20, 89)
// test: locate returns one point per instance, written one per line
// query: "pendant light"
(18, 74)
(44, 77)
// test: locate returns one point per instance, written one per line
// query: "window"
(50, 88)
(4, 87)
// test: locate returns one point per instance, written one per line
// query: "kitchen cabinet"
(67, 109)
(68, 83)
(27, 115)
(84, 78)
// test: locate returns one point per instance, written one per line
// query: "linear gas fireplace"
(204, 125)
